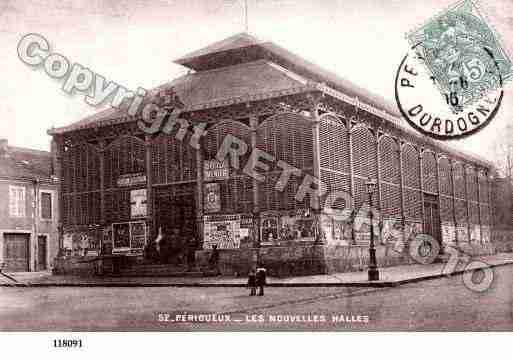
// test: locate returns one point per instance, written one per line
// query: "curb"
(381, 284)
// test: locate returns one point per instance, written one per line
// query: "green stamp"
(463, 54)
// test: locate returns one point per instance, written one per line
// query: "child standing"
(252, 282)
(260, 279)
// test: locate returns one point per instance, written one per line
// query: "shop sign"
(212, 197)
(215, 170)
(131, 179)
(138, 203)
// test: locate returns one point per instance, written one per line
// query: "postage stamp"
(463, 53)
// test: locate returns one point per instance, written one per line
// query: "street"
(441, 305)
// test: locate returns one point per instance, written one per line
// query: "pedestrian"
(260, 280)
(158, 245)
(214, 260)
(191, 251)
(252, 282)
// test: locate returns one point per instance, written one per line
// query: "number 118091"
(67, 343)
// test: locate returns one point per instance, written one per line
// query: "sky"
(133, 42)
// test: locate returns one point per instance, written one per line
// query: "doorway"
(176, 213)
(432, 217)
(16, 252)
(42, 252)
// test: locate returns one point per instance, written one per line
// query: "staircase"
(158, 270)
(164, 270)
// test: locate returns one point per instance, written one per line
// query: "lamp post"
(373, 267)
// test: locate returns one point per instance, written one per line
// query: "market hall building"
(120, 185)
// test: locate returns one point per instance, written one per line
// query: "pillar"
(351, 175)
(149, 189)
(58, 146)
(465, 168)
(199, 191)
(401, 188)
(439, 200)
(33, 248)
(317, 169)
(378, 178)
(421, 177)
(478, 174)
(253, 123)
(103, 219)
(451, 164)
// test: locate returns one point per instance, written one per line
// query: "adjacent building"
(28, 209)
(121, 184)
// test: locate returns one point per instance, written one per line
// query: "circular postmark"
(453, 107)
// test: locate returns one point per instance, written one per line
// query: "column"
(451, 164)
(149, 189)
(101, 154)
(103, 219)
(351, 176)
(421, 175)
(491, 214)
(58, 145)
(468, 204)
(317, 170)
(439, 201)
(253, 123)
(33, 251)
(378, 178)
(199, 191)
(478, 174)
(401, 188)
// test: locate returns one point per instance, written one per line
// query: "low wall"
(301, 260)
(305, 259)
(503, 240)
(73, 266)
(89, 266)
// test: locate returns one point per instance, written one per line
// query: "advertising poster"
(225, 231)
(212, 198)
(138, 203)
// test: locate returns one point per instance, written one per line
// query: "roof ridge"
(218, 46)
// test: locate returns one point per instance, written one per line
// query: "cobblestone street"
(441, 304)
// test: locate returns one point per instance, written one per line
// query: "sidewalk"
(389, 277)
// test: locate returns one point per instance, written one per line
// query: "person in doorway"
(214, 259)
(158, 244)
(174, 247)
(252, 282)
(191, 251)
(260, 279)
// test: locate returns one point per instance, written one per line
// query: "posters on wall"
(128, 236)
(227, 231)
(212, 198)
(277, 227)
(138, 203)
(137, 235)
(82, 243)
(120, 236)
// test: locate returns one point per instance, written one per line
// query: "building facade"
(283, 140)
(28, 210)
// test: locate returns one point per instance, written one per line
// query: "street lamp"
(373, 267)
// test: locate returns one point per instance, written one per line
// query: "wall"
(408, 174)
(31, 223)
(301, 260)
